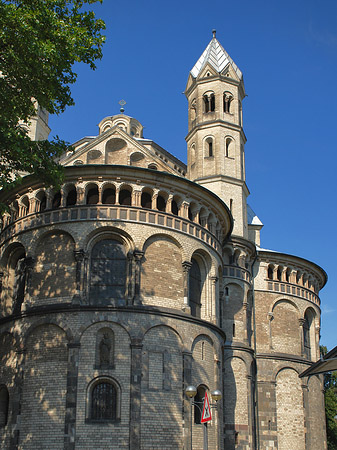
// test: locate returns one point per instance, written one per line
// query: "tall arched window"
(161, 203)
(103, 401)
(108, 271)
(195, 287)
(4, 401)
(209, 148)
(227, 99)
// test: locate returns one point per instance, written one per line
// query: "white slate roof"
(217, 57)
(252, 217)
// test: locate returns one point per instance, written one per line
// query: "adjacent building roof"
(252, 217)
(217, 57)
(327, 364)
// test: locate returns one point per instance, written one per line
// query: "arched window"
(195, 287)
(92, 196)
(198, 404)
(279, 273)
(209, 102)
(146, 200)
(161, 203)
(306, 336)
(109, 196)
(227, 99)
(4, 401)
(174, 208)
(71, 198)
(270, 272)
(125, 197)
(25, 206)
(209, 150)
(108, 272)
(42, 201)
(56, 200)
(103, 401)
(227, 146)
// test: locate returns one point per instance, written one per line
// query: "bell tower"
(215, 139)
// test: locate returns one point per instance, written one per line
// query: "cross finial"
(122, 103)
(214, 33)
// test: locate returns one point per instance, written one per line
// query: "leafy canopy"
(330, 395)
(40, 40)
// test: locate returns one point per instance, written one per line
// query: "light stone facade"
(141, 276)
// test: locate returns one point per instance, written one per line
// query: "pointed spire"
(217, 57)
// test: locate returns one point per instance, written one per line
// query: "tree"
(40, 40)
(330, 395)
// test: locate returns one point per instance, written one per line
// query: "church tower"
(215, 140)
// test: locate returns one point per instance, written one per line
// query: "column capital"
(186, 266)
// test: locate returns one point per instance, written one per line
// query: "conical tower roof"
(217, 57)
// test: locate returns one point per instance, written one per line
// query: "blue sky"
(287, 51)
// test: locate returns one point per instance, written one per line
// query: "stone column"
(187, 381)
(138, 255)
(244, 318)
(213, 312)
(137, 196)
(135, 393)
(186, 269)
(79, 258)
(184, 210)
(71, 396)
(16, 401)
(301, 325)
(130, 283)
(270, 317)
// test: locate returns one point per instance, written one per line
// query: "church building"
(142, 276)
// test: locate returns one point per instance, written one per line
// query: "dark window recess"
(195, 287)
(212, 102)
(125, 197)
(174, 208)
(109, 196)
(210, 148)
(161, 203)
(104, 402)
(71, 198)
(92, 196)
(146, 200)
(43, 203)
(190, 215)
(57, 200)
(206, 104)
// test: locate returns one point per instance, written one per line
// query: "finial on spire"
(214, 32)
(122, 103)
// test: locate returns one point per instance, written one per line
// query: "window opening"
(71, 198)
(104, 402)
(233, 329)
(174, 208)
(195, 287)
(56, 200)
(109, 196)
(125, 197)
(270, 272)
(210, 148)
(146, 200)
(92, 196)
(161, 203)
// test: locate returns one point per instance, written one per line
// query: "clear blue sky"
(287, 51)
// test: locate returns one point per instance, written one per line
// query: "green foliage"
(40, 40)
(330, 395)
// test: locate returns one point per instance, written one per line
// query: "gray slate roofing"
(217, 57)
